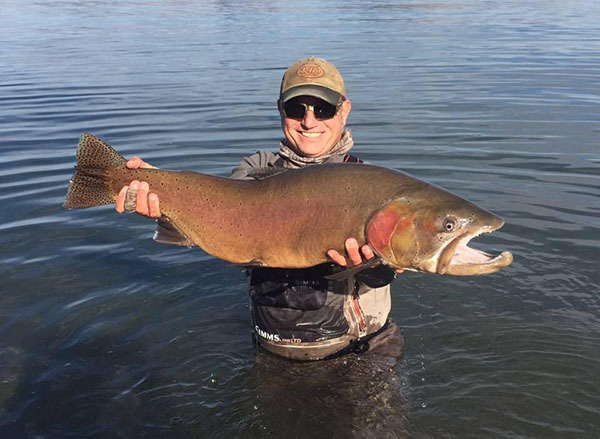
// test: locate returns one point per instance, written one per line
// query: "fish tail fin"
(90, 185)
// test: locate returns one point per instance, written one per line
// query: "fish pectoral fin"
(167, 233)
(352, 271)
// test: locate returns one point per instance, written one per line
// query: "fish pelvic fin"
(90, 185)
(346, 273)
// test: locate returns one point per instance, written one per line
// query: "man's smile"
(309, 134)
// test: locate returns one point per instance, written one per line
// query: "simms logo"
(310, 70)
(266, 335)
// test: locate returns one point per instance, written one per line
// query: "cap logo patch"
(310, 70)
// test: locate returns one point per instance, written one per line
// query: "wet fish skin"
(291, 219)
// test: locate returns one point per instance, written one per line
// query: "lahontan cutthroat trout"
(291, 219)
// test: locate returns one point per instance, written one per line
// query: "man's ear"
(346, 107)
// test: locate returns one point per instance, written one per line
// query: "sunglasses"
(322, 111)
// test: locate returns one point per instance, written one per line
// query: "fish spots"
(94, 153)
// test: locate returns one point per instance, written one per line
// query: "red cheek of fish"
(430, 226)
(381, 228)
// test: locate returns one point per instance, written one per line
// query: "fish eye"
(450, 224)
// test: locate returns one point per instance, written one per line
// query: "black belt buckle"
(360, 346)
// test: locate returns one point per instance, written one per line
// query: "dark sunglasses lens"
(325, 111)
(294, 110)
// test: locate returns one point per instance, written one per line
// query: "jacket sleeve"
(261, 159)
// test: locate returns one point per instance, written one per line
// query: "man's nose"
(309, 119)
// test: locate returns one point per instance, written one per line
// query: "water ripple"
(107, 333)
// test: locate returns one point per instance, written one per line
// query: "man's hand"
(138, 193)
(355, 256)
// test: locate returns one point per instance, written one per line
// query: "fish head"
(431, 232)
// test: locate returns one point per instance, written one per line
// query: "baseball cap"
(312, 77)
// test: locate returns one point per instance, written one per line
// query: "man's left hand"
(355, 256)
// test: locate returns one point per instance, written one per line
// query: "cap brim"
(316, 91)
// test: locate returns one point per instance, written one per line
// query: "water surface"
(105, 333)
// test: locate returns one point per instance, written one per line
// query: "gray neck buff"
(297, 161)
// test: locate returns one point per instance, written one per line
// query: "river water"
(105, 333)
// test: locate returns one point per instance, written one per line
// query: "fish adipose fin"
(90, 185)
(352, 271)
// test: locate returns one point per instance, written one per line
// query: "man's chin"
(310, 153)
(309, 148)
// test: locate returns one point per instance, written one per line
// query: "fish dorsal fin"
(265, 172)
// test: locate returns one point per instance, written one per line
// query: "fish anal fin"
(167, 233)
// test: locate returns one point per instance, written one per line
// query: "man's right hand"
(146, 202)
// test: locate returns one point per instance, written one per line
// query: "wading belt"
(295, 276)
(360, 345)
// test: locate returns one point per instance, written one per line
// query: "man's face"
(310, 137)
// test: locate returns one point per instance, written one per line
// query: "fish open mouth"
(458, 259)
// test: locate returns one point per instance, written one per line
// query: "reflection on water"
(345, 397)
(104, 333)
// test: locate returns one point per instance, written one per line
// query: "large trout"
(291, 219)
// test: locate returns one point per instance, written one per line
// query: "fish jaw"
(458, 259)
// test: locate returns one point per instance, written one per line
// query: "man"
(299, 313)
